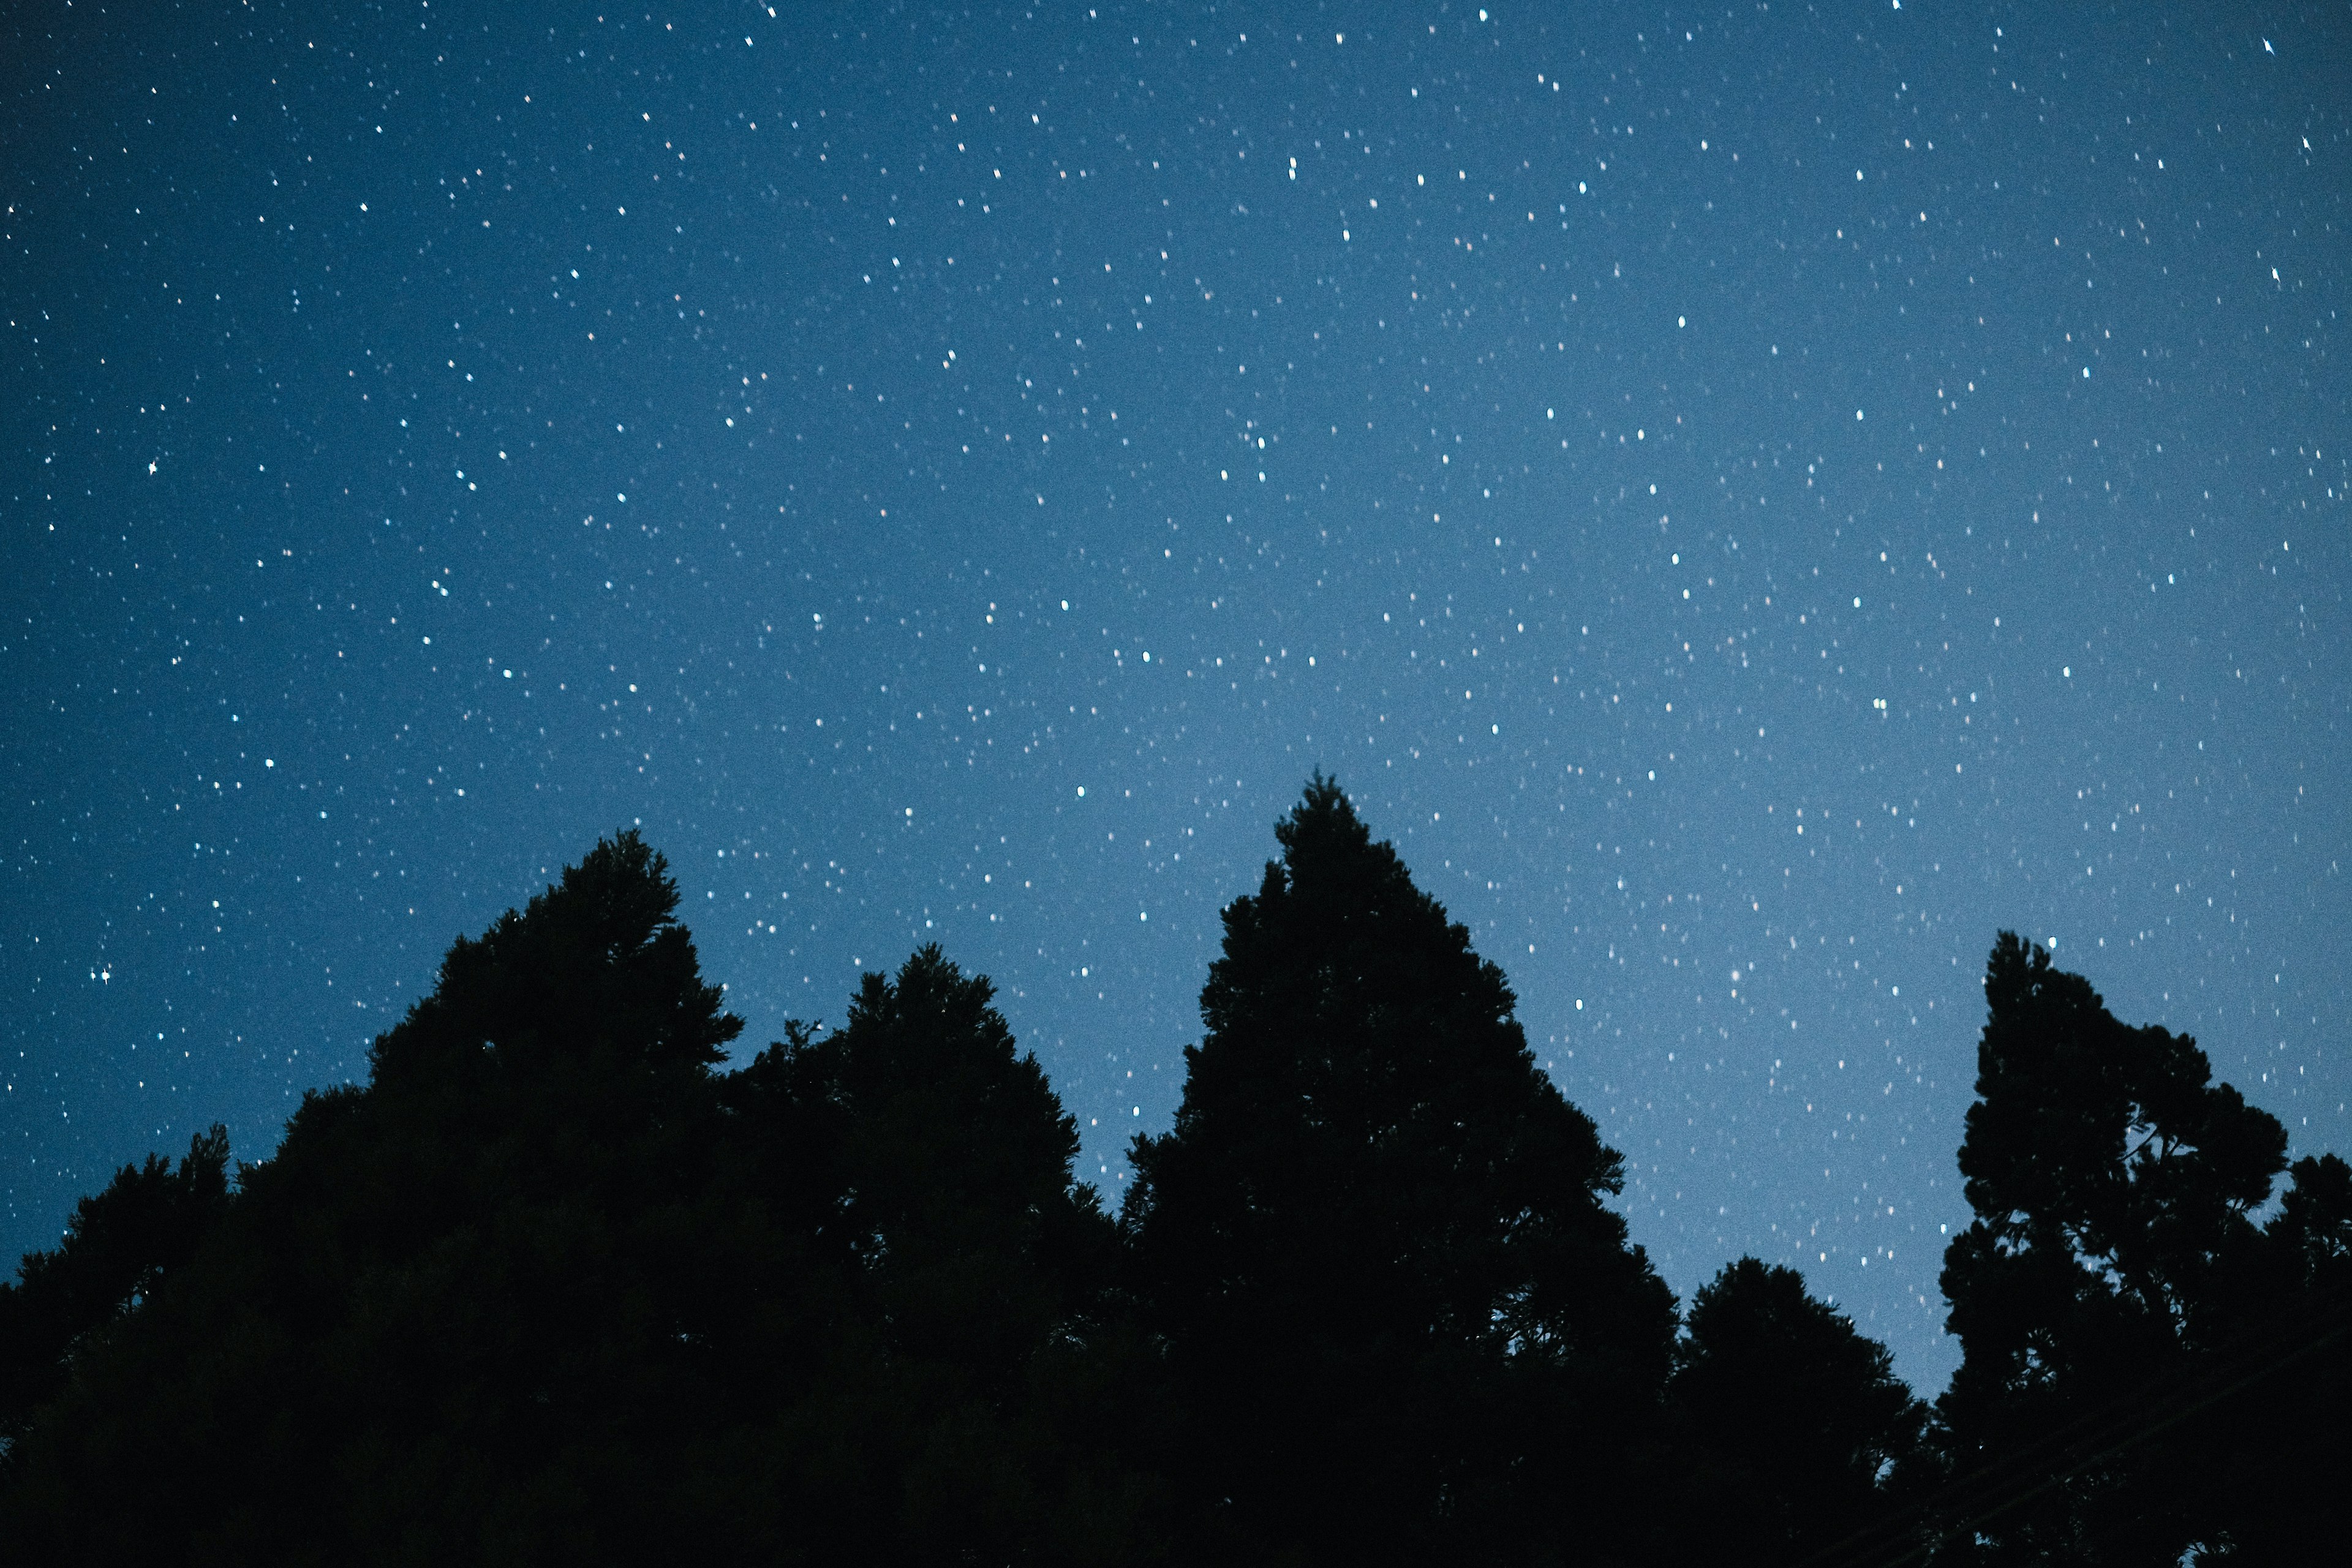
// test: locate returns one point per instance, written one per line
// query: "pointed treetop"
(596, 965)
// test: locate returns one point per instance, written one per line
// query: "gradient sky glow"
(1752, 499)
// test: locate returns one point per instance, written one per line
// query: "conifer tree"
(458, 1308)
(2097, 1291)
(1792, 1422)
(1375, 1238)
(548, 1289)
(955, 1162)
(963, 1416)
(121, 1245)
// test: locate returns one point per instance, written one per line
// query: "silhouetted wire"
(2101, 1434)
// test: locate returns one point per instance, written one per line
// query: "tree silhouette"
(551, 1287)
(2279, 1444)
(119, 1248)
(955, 1166)
(456, 1311)
(1794, 1421)
(2098, 1294)
(1405, 1324)
(964, 1416)
(549, 1290)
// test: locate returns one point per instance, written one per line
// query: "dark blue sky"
(1752, 499)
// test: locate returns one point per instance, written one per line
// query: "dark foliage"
(119, 1248)
(1792, 1422)
(549, 1290)
(2127, 1329)
(552, 1289)
(1406, 1326)
(968, 1414)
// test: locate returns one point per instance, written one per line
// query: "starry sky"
(1751, 500)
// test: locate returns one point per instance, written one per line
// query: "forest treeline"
(553, 1287)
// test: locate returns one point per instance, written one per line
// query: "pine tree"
(2113, 1184)
(548, 1289)
(1375, 1237)
(121, 1245)
(960, 1413)
(955, 1160)
(1794, 1422)
(450, 1311)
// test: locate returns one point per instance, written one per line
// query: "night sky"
(1751, 500)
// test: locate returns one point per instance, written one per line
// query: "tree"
(2272, 1430)
(964, 1416)
(119, 1248)
(1375, 1238)
(548, 1289)
(955, 1160)
(2096, 1291)
(458, 1310)
(1794, 1421)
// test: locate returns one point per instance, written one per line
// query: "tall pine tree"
(2101, 1294)
(1375, 1238)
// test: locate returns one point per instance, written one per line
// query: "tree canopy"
(2122, 1317)
(1375, 1240)
(549, 1288)
(119, 1248)
(1794, 1420)
(560, 1284)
